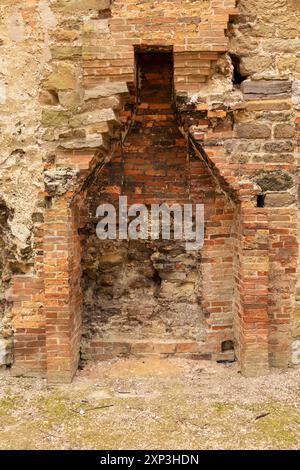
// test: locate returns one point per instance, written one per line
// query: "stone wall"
(66, 71)
(24, 53)
(265, 38)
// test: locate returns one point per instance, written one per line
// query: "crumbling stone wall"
(66, 69)
(24, 52)
(265, 38)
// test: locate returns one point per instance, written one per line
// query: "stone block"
(268, 105)
(284, 131)
(63, 77)
(275, 181)
(59, 181)
(279, 147)
(55, 118)
(5, 352)
(91, 143)
(109, 89)
(296, 352)
(256, 64)
(296, 94)
(266, 87)
(286, 63)
(279, 199)
(66, 52)
(93, 117)
(252, 130)
(69, 6)
(70, 99)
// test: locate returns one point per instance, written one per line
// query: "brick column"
(29, 326)
(62, 290)
(282, 284)
(253, 273)
(29, 316)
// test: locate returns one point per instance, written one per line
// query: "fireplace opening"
(152, 296)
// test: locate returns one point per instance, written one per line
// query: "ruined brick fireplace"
(154, 297)
(134, 109)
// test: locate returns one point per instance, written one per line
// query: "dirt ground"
(152, 404)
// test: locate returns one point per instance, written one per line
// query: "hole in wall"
(237, 78)
(104, 14)
(227, 346)
(260, 200)
(157, 282)
(49, 97)
(54, 96)
(156, 278)
(48, 202)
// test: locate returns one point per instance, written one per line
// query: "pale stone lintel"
(109, 89)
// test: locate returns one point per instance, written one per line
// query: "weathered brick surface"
(64, 101)
(195, 30)
(155, 290)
